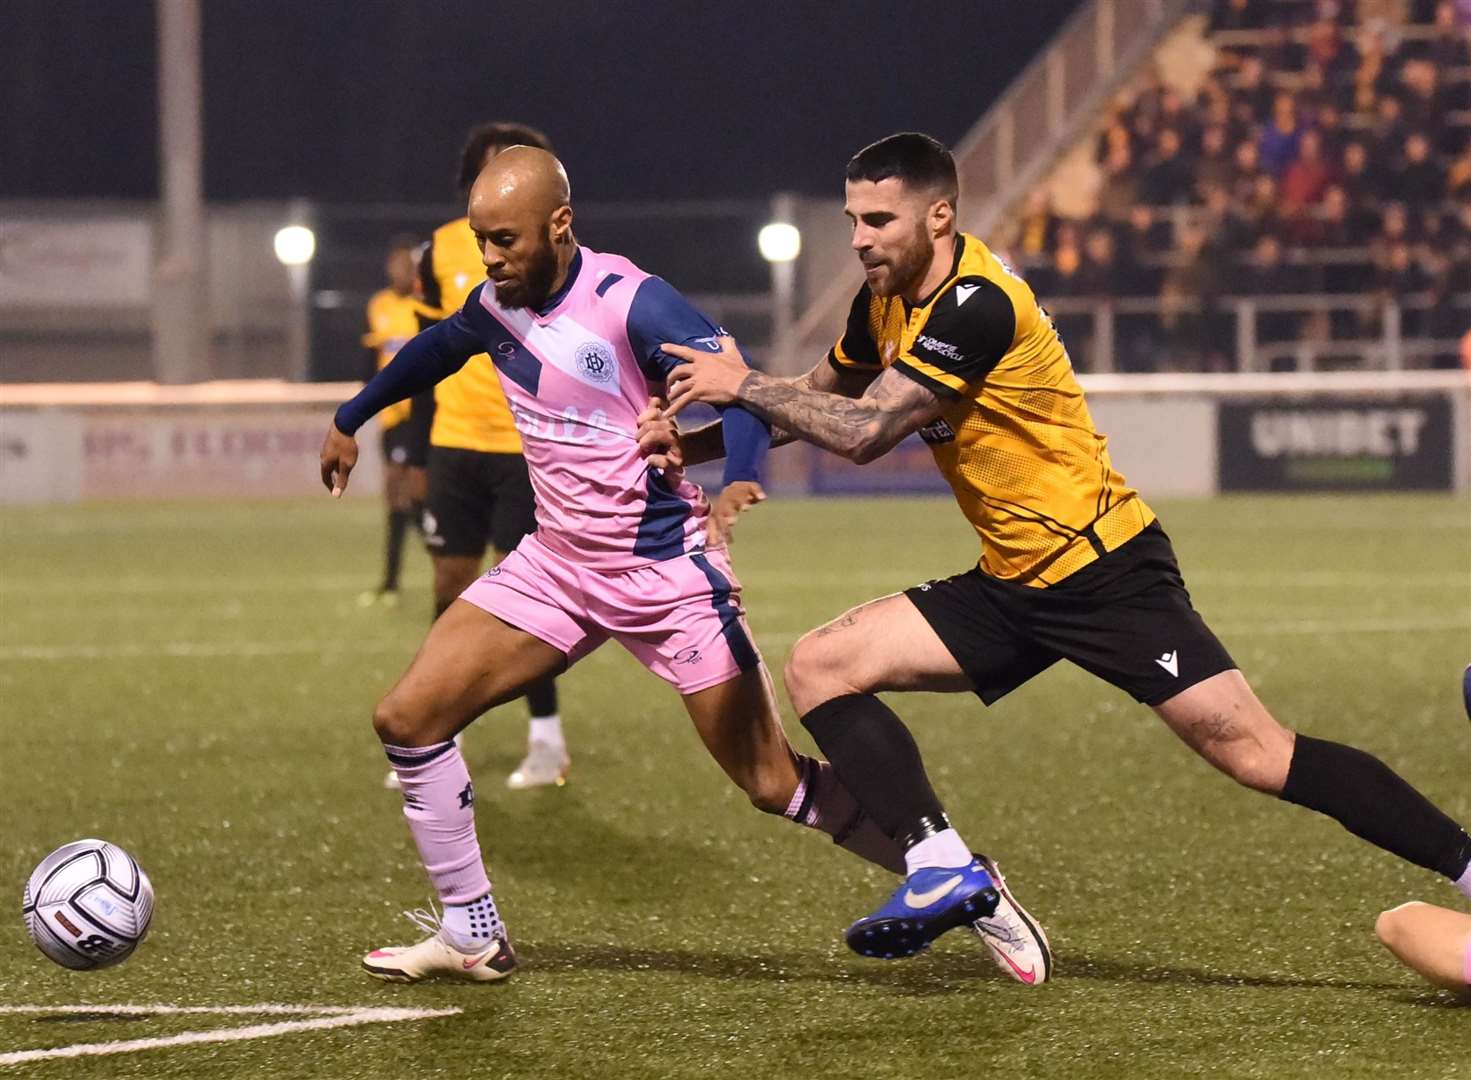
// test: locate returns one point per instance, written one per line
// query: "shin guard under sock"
(876, 758)
(1371, 801)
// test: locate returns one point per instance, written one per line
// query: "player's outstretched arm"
(429, 357)
(860, 430)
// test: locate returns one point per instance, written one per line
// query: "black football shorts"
(1125, 617)
(476, 498)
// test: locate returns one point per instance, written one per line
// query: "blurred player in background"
(621, 551)
(479, 494)
(393, 318)
(944, 340)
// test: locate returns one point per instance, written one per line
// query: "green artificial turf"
(194, 681)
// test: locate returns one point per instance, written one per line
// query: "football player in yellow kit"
(393, 318)
(945, 341)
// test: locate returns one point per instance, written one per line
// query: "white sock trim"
(547, 729)
(1464, 883)
(945, 850)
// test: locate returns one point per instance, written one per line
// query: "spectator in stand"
(1175, 115)
(1267, 275)
(1341, 224)
(1328, 122)
(1115, 137)
(1305, 180)
(1038, 225)
(1329, 55)
(1400, 273)
(1261, 212)
(1418, 181)
(1120, 185)
(1168, 179)
(1360, 177)
(1213, 167)
(1067, 261)
(1372, 77)
(1195, 332)
(1282, 136)
(1247, 170)
(1252, 88)
(1388, 129)
(1458, 176)
(1145, 236)
(1449, 49)
(1421, 105)
(1099, 273)
(1223, 221)
(1216, 112)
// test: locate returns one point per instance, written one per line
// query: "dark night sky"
(369, 101)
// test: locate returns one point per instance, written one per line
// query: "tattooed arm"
(658, 435)
(860, 430)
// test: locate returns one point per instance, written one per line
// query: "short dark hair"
(919, 160)
(403, 241)
(502, 135)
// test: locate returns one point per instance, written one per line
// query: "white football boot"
(544, 764)
(1016, 941)
(434, 957)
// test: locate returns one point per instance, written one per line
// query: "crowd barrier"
(1170, 434)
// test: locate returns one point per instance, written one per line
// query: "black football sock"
(398, 524)
(1370, 800)
(541, 697)
(876, 758)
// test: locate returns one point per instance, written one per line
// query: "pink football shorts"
(681, 618)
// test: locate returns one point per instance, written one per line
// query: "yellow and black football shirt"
(392, 320)
(470, 410)
(1015, 440)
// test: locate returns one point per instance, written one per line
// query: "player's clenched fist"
(339, 457)
(658, 437)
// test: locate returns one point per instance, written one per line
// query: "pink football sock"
(822, 802)
(439, 802)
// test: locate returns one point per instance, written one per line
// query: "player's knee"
(1261, 768)
(814, 672)
(397, 723)
(768, 793)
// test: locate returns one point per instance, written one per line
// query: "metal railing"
(1254, 333)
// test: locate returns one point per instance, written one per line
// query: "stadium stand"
(1286, 188)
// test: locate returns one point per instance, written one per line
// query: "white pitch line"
(326, 1017)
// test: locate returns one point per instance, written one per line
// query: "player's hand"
(658, 437)
(714, 378)
(339, 458)
(735, 500)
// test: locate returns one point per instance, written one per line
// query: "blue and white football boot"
(929, 902)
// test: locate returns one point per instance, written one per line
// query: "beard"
(535, 285)
(908, 266)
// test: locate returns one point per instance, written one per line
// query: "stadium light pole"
(295, 246)
(780, 242)
(182, 327)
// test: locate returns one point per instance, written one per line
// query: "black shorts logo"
(937, 431)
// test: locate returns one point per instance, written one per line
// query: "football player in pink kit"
(621, 550)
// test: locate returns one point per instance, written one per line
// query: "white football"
(88, 905)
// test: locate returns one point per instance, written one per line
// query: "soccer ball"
(88, 905)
